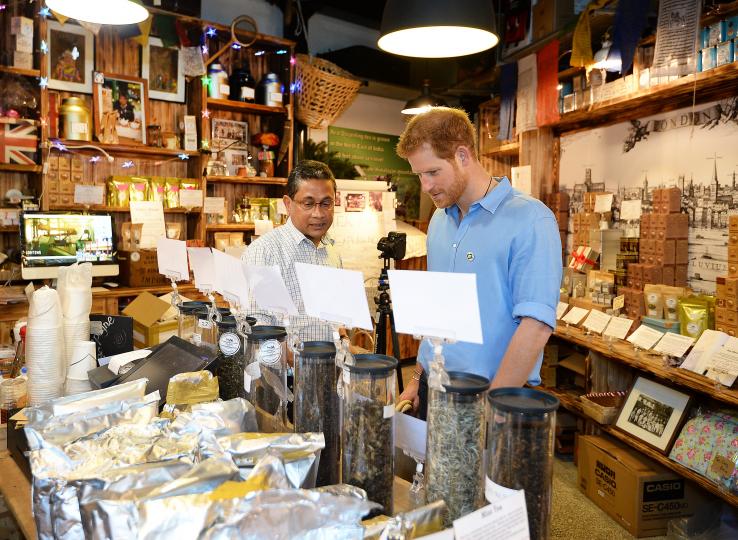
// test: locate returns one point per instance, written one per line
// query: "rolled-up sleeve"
(535, 271)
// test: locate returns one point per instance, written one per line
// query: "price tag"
(596, 321)
(275, 96)
(505, 518)
(675, 345)
(190, 198)
(618, 302)
(204, 323)
(247, 93)
(630, 210)
(225, 90)
(575, 315)
(645, 337)
(618, 327)
(603, 203)
(88, 194)
(561, 309)
(213, 205)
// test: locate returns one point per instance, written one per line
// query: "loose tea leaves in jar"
(231, 359)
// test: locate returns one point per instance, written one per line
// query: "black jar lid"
(204, 311)
(251, 320)
(318, 349)
(228, 321)
(260, 333)
(466, 383)
(522, 400)
(374, 364)
(188, 308)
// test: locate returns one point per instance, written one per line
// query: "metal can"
(75, 120)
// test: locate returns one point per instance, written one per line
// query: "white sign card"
(230, 279)
(268, 289)
(618, 302)
(171, 256)
(410, 435)
(422, 302)
(88, 195)
(262, 226)
(334, 295)
(190, 198)
(603, 203)
(596, 321)
(675, 345)
(151, 214)
(645, 337)
(561, 309)
(618, 327)
(201, 261)
(521, 178)
(214, 205)
(699, 358)
(505, 518)
(726, 359)
(630, 210)
(575, 315)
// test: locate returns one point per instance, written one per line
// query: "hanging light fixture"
(437, 28)
(100, 11)
(603, 59)
(424, 102)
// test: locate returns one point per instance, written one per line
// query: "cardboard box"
(681, 254)
(139, 268)
(148, 330)
(636, 492)
(680, 275)
(22, 60)
(667, 275)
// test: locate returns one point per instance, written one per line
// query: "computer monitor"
(50, 240)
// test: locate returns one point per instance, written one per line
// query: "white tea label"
(270, 352)
(229, 343)
(276, 97)
(204, 323)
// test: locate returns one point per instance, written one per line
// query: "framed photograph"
(653, 413)
(235, 159)
(121, 103)
(163, 68)
(375, 200)
(225, 132)
(356, 201)
(71, 57)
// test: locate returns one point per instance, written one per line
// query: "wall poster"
(693, 149)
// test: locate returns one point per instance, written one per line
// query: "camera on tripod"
(392, 246)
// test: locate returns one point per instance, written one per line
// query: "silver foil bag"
(224, 418)
(409, 525)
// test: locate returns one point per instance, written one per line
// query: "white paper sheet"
(436, 304)
(334, 295)
(698, 359)
(618, 302)
(630, 210)
(214, 205)
(722, 365)
(171, 255)
(268, 289)
(230, 279)
(117, 361)
(505, 518)
(262, 226)
(603, 203)
(561, 309)
(596, 321)
(201, 261)
(410, 435)
(645, 337)
(88, 194)
(190, 198)
(618, 327)
(675, 345)
(575, 315)
(151, 214)
(521, 178)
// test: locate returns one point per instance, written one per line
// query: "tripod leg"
(380, 343)
(396, 351)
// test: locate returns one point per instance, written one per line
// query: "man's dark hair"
(308, 169)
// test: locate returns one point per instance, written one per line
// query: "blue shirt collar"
(490, 202)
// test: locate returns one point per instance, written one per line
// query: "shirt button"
(454, 245)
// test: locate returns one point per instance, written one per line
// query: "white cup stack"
(44, 347)
(84, 358)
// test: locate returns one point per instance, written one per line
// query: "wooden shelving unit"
(9, 229)
(17, 167)
(251, 180)
(20, 71)
(239, 106)
(509, 149)
(113, 209)
(130, 150)
(235, 227)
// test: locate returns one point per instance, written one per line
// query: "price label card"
(269, 290)
(575, 315)
(88, 194)
(190, 198)
(230, 278)
(596, 321)
(505, 518)
(603, 203)
(618, 302)
(675, 345)
(201, 260)
(725, 360)
(630, 210)
(171, 255)
(213, 205)
(645, 337)
(561, 309)
(618, 327)
(151, 215)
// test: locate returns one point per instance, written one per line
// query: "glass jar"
(520, 446)
(267, 366)
(269, 91)
(454, 465)
(218, 87)
(205, 332)
(367, 434)
(231, 359)
(317, 405)
(242, 85)
(186, 319)
(12, 396)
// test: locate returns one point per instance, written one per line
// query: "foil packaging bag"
(409, 525)
(225, 418)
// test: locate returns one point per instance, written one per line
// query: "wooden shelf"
(252, 180)
(113, 209)
(229, 227)
(20, 71)
(567, 400)
(509, 149)
(623, 352)
(240, 106)
(704, 87)
(9, 228)
(17, 167)
(130, 150)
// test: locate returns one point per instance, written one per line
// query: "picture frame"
(356, 201)
(68, 69)
(234, 159)
(653, 413)
(163, 68)
(225, 132)
(132, 111)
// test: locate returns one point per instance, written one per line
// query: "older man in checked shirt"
(311, 196)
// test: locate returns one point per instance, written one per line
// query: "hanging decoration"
(145, 29)
(508, 87)
(46, 13)
(525, 118)
(547, 93)
(630, 20)
(581, 46)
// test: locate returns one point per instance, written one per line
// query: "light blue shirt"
(511, 242)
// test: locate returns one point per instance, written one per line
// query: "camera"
(392, 246)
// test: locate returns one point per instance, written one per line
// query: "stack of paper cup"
(44, 347)
(83, 360)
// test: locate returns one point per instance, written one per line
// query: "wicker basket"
(323, 90)
(605, 412)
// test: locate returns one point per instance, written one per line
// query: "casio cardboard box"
(635, 491)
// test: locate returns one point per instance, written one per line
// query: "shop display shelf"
(17, 167)
(250, 180)
(136, 150)
(112, 209)
(509, 149)
(217, 227)
(9, 228)
(240, 106)
(20, 71)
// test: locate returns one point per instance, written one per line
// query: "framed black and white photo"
(163, 68)
(225, 132)
(653, 413)
(71, 57)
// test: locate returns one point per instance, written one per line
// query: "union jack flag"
(18, 142)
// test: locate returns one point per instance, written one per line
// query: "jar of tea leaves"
(454, 465)
(317, 405)
(367, 435)
(231, 359)
(520, 446)
(186, 319)
(266, 362)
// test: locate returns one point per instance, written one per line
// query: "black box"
(112, 334)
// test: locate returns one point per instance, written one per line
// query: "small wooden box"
(681, 254)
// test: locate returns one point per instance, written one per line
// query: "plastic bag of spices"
(172, 192)
(118, 192)
(694, 316)
(671, 297)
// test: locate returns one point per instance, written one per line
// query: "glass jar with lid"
(186, 319)
(267, 375)
(454, 464)
(367, 433)
(317, 404)
(231, 359)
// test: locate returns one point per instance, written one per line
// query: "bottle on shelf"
(243, 86)
(218, 87)
(270, 89)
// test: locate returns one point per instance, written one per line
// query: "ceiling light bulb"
(100, 12)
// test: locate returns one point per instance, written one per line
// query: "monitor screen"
(61, 239)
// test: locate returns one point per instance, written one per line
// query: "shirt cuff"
(535, 310)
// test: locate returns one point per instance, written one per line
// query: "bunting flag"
(92, 27)
(581, 43)
(145, 29)
(547, 93)
(166, 30)
(508, 87)
(525, 116)
(59, 17)
(630, 20)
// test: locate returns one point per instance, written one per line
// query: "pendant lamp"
(100, 11)
(424, 102)
(437, 28)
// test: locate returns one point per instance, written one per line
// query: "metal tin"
(269, 91)
(75, 120)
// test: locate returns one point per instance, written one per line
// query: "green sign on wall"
(375, 154)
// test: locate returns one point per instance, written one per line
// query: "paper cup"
(83, 359)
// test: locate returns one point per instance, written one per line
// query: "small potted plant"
(265, 155)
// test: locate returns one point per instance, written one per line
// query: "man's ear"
(463, 155)
(287, 204)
